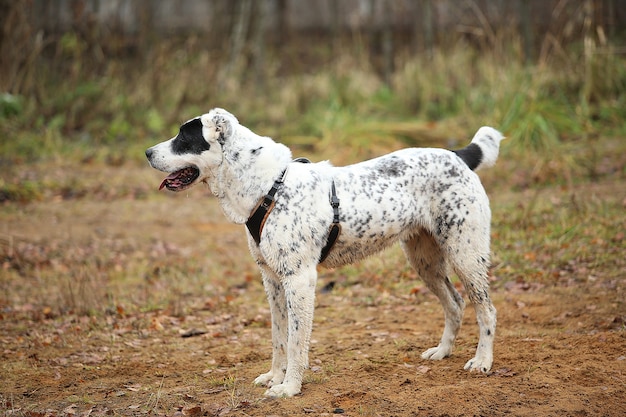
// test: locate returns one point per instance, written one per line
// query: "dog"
(429, 200)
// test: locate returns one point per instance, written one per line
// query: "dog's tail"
(482, 152)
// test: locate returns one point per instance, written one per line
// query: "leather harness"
(257, 219)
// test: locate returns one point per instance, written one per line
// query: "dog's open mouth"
(181, 179)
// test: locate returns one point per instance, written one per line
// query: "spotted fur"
(429, 200)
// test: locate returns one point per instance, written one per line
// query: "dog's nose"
(149, 152)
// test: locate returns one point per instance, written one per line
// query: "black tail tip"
(472, 155)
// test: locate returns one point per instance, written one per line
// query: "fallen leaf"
(504, 372)
(423, 369)
(156, 324)
(71, 409)
(192, 333)
(192, 411)
(224, 411)
(133, 387)
(530, 256)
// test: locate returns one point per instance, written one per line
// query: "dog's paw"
(282, 391)
(264, 379)
(269, 379)
(478, 364)
(437, 353)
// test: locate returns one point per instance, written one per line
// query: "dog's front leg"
(278, 310)
(300, 297)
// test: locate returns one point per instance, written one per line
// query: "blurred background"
(100, 273)
(316, 74)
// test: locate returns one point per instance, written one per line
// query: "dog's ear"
(218, 125)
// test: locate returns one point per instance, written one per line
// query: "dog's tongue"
(169, 178)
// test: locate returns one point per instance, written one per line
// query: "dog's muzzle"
(177, 180)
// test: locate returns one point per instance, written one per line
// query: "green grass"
(342, 109)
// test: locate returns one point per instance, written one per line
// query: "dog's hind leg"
(472, 270)
(428, 260)
(278, 309)
(300, 297)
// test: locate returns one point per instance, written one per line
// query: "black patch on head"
(190, 139)
(472, 155)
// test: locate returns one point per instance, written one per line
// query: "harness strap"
(257, 219)
(335, 228)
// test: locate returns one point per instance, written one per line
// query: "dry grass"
(98, 288)
(100, 275)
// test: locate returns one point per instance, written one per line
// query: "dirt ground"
(158, 342)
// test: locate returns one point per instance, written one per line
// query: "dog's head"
(194, 154)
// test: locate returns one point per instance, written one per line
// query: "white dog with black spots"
(429, 200)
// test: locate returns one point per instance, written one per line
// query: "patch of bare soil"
(560, 350)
